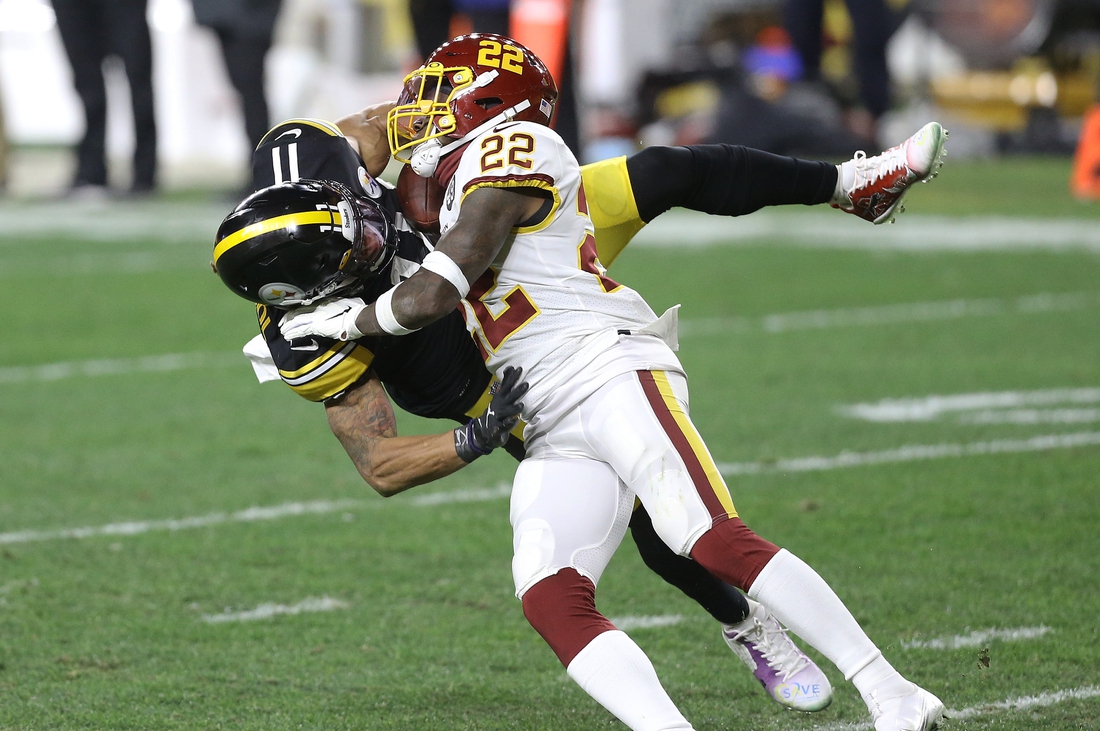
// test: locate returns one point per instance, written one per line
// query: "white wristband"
(383, 312)
(439, 263)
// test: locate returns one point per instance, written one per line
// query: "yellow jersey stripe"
(710, 469)
(522, 183)
(338, 378)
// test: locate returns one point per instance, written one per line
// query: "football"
(421, 199)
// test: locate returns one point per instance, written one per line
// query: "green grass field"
(125, 411)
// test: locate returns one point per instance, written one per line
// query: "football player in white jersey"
(607, 410)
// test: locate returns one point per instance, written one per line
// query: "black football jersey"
(434, 372)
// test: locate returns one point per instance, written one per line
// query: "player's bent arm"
(367, 129)
(488, 216)
(363, 420)
(463, 254)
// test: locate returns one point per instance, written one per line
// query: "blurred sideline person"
(607, 404)
(872, 25)
(437, 372)
(92, 30)
(244, 29)
(3, 153)
(431, 19)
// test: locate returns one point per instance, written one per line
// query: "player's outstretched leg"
(788, 675)
(872, 187)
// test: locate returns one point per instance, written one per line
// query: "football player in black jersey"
(437, 372)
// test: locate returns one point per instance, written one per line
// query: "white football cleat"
(872, 187)
(788, 675)
(918, 710)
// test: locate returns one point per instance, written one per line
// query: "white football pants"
(573, 494)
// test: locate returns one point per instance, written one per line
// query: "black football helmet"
(294, 243)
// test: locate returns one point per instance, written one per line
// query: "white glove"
(333, 319)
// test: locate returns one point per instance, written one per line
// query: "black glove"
(490, 430)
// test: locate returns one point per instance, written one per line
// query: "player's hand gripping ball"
(421, 199)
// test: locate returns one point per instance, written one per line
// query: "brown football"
(421, 199)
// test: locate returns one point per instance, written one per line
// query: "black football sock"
(721, 600)
(727, 180)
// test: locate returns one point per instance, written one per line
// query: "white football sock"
(805, 604)
(845, 178)
(615, 671)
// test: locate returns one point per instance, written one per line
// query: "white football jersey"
(546, 303)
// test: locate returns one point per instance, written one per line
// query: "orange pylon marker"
(543, 26)
(1085, 182)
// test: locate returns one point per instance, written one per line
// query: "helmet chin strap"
(426, 156)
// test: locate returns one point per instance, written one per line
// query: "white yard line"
(646, 622)
(828, 230)
(929, 408)
(892, 314)
(119, 366)
(502, 490)
(978, 638)
(131, 528)
(775, 323)
(267, 611)
(1015, 704)
(913, 453)
(253, 514)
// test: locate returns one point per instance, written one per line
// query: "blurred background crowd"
(137, 97)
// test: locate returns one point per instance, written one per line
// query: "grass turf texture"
(107, 631)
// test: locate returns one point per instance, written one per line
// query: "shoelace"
(879, 166)
(776, 647)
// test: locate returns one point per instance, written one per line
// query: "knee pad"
(532, 553)
(562, 609)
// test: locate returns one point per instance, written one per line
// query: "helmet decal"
(278, 292)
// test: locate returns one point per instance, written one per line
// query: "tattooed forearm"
(359, 420)
(364, 423)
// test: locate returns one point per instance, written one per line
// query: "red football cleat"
(873, 186)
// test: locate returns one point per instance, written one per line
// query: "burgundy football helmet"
(468, 84)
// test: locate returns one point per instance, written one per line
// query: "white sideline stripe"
(892, 314)
(248, 515)
(118, 366)
(1014, 704)
(113, 221)
(828, 230)
(929, 408)
(646, 622)
(267, 611)
(978, 638)
(912, 453)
